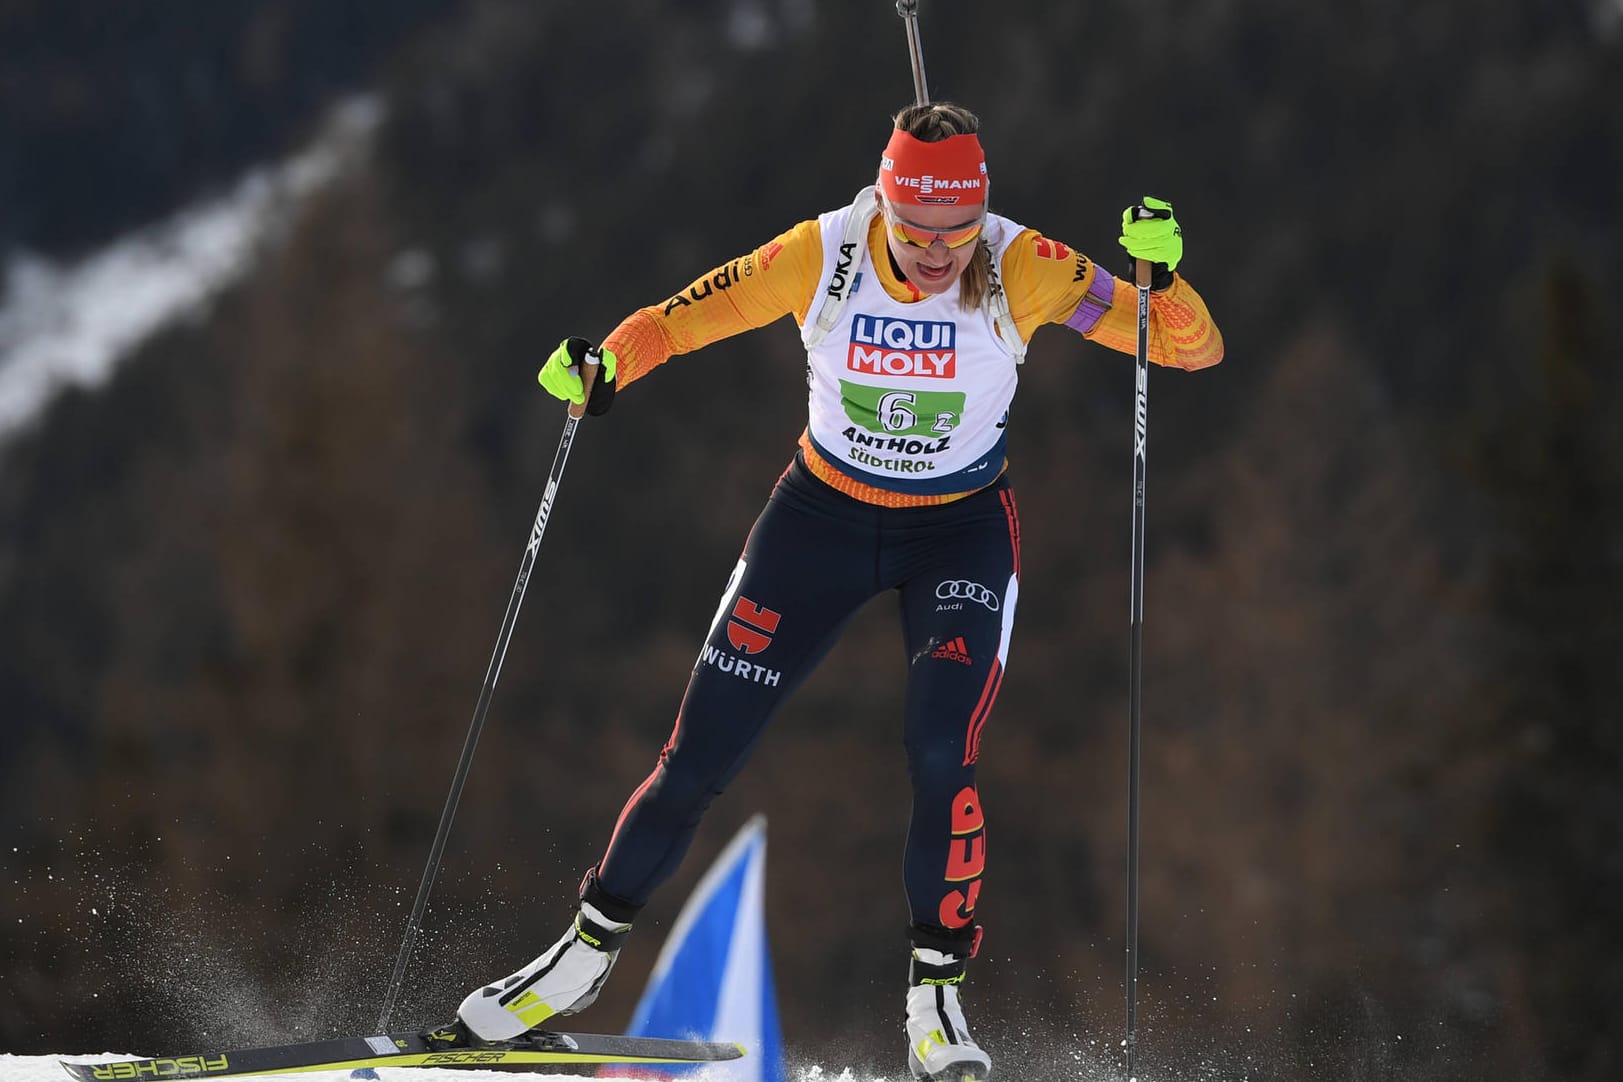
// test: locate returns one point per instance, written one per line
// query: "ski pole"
(1141, 422)
(909, 11)
(414, 923)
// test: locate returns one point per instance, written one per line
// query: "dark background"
(248, 590)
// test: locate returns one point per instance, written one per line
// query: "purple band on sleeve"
(1101, 294)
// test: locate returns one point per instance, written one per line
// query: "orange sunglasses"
(920, 236)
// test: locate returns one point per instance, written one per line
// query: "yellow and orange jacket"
(1045, 281)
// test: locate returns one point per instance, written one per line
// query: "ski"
(449, 1046)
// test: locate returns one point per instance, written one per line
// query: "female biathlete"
(915, 305)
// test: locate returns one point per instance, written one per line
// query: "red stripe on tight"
(1013, 516)
(994, 679)
(983, 710)
(630, 804)
(637, 794)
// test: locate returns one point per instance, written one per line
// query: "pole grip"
(588, 376)
(1142, 270)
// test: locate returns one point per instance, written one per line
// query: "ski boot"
(939, 1047)
(564, 980)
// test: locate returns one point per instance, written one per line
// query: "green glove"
(1156, 238)
(561, 375)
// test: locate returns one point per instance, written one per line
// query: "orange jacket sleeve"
(775, 280)
(1050, 282)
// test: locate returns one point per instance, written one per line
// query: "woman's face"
(932, 267)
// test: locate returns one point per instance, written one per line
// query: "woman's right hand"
(561, 375)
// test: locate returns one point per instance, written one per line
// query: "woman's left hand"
(1149, 231)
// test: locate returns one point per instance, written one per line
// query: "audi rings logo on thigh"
(968, 591)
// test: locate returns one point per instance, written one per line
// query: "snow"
(47, 1069)
(63, 325)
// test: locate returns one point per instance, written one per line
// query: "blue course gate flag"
(713, 979)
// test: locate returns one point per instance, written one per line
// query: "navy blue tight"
(813, 558)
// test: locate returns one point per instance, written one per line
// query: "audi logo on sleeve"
(964, 590)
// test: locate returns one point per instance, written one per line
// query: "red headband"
(952, 170)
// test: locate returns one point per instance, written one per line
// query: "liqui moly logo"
(887, 346)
